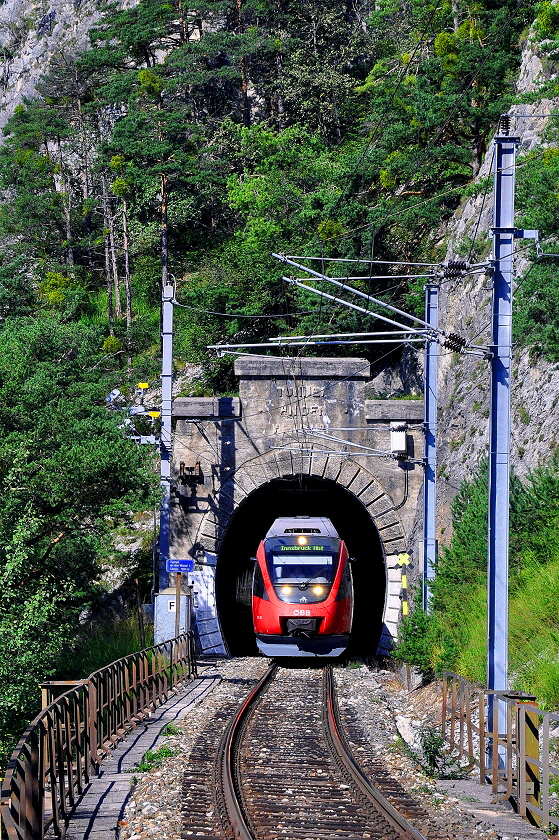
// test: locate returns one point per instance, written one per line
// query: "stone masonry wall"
(230, 447)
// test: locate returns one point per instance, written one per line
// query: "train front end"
(302, 599)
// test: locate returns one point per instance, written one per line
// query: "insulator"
(504, 124)
(454, 268)
(454, 342)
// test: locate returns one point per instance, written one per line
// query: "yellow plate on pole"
(143, 385)
(154, 413)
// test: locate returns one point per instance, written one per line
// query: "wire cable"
(237, 314)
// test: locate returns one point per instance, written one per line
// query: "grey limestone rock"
(465, 308)
(32, 34)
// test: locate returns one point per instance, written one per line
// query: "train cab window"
(302, 576)
(302, 580)
(302, 570)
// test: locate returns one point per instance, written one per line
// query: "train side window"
(258, 583)
(346, 584)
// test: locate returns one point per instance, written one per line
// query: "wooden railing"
(512, 750)
(65, 744)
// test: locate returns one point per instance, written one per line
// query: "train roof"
(317, 525)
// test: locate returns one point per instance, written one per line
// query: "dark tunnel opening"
(301, 495)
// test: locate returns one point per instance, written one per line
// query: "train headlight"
(302, 540)
(286, 590)
(318, 590)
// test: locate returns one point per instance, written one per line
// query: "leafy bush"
(100, 645)
(67, 473)
(417, 643)
(536, 321)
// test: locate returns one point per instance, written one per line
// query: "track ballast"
(283, 770)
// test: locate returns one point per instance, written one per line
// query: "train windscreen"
(303, 569)
(302, 573)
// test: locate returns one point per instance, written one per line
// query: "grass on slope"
(104, 644)
(533, 634)
(453, 636)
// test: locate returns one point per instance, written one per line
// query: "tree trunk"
(127, 281)
(109, 285)
(118, 303)
(244, 70)
(455, 20)
(199, 27)
(280, 102)
(85, 178)
(111, 229)
(182, 25)
(65, 189)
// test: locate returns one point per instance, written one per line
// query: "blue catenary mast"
(504, 233)
(430, 418)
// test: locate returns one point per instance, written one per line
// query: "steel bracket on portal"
(518, 233)
(526, 234)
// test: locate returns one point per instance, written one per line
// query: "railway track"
(284, 770)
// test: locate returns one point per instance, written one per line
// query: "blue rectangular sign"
(180, 565)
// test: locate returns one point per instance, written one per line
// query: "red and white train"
(302, 593)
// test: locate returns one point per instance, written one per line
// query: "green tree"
(35, 211)
(68, 475)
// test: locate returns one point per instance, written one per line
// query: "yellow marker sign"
(143, 385)
(154, 413)
(403, 562)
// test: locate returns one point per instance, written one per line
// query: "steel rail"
(226, 757)
(230, 784)
(343, 753)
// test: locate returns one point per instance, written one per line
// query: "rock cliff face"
(465, 308)
(32, 33)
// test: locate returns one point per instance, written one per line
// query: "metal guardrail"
(517, 760)
(65, 744)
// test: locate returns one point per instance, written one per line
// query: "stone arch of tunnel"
(297, 495)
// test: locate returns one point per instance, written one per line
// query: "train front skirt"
(328, 646)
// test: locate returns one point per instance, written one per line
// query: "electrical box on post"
(398, 440)
(165, 614)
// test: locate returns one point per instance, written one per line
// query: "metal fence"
(65, 744)
(518, 758)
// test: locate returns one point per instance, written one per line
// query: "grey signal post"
(166, 438)
(430, 426)
(503, 232)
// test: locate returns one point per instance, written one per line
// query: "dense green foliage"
(237, 129)
(536, 298)
(68, 475)
(453, 636)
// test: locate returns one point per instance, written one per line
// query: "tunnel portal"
(300, 439)
(299, 495)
